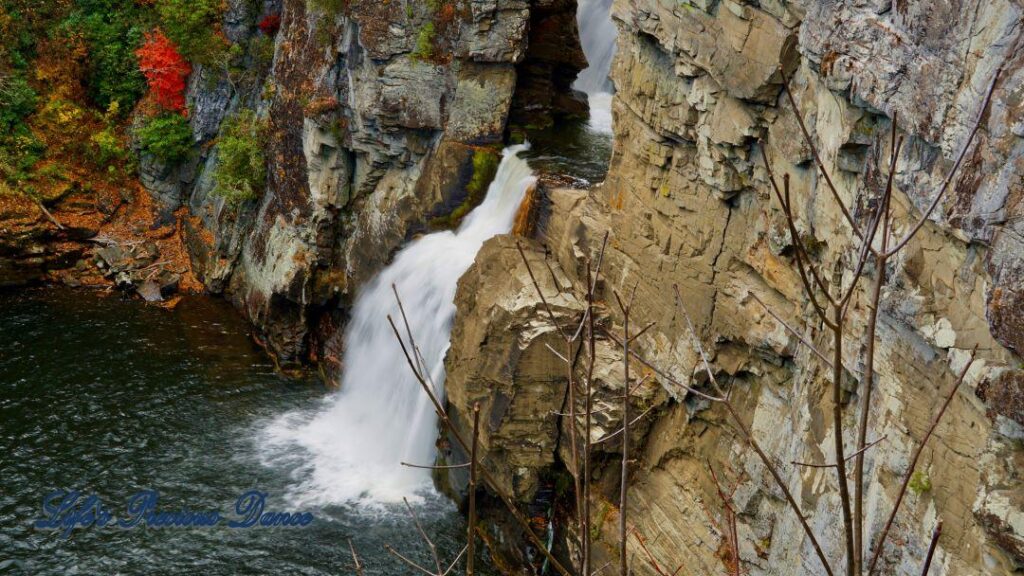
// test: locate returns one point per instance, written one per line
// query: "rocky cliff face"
(381, 116)
(687, 203)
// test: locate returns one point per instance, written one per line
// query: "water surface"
(111, 397)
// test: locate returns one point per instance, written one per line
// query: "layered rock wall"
(379, 115)
(687, 203)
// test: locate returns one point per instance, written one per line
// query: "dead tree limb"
(624, 480)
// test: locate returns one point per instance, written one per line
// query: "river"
(112, 396)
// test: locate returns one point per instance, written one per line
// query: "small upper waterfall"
(351, 448)
(597, 35)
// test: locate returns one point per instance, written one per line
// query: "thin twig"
(959, 160)
(624, 480)
(423, 534)
(447, 467)
(355, 558)
(471, 530)
(618, 431)
(749, 438)
(488, 478)
(661, 373)
(792, 331)
(733, 536)
(868, 373)
(817, 157)
(412, 564)
(848, 458)
(913, 464)
(650, 557)
(536, 287)
(936, 533)
(48, 215)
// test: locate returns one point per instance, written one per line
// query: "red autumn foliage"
(270, 24)
(447, 13)
(165, 70)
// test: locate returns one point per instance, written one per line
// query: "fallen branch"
(48, 215)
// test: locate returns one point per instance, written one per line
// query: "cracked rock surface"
(687, 203)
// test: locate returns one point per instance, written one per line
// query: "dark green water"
(110, 397)
(570, 148)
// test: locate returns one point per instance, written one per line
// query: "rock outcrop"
(687, 203)
(379, 114)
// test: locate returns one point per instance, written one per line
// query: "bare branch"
(650, 557)
(792, 331)
(471, 529)
(488, 478)
(913, 464)
(848, 458)
(555, 352)
(536, 287)
(640, 333)
(448, 467)
(733, 535)
(423, 534)
(949, 178)
(817, 157)
(624, 480)
(412, 564)
(662, 374)
(611, 435)
(868, 373)
(936, 533)
(749, 437)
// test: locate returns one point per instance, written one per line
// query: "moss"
(485, 166)
(329, 7)
(920, 483)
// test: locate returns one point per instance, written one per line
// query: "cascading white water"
(352, 447)
(597, 36)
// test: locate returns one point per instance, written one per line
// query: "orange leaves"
(165, 70)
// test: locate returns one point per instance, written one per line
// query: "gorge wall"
(385, 119)
(686, 202)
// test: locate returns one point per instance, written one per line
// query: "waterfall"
(597, 35)
(351, 447)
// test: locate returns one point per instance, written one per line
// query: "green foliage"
(920, 483)
(19, 148)
(241, 169)
(17, 101)
(425, 42)
(112, 30)
(19, 152)
(108, 146)
(167, 137)
(330, 7)
(193, 25)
